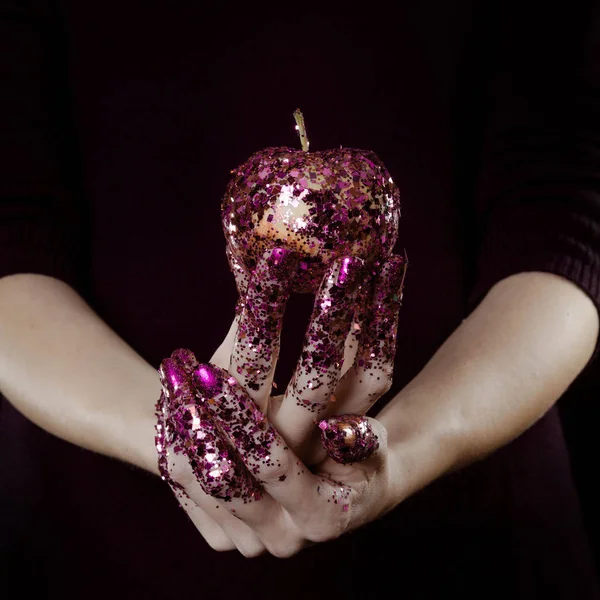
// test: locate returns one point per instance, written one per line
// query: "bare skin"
(495, 376)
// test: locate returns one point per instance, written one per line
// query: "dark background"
(152, 112)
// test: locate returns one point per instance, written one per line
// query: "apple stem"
(301, 129)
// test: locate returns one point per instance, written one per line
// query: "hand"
(347, 361)
(477, 393)
(319, 369)
(226, 450)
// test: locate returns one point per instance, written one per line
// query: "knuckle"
(322, 535)
(181, 471)
(278, 470)
(377, 385)
(319, 533)
(385, 385)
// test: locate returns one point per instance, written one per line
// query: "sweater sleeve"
(41, 213)
(537, 196)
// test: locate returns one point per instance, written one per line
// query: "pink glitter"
(347, 206)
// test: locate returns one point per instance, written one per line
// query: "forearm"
(495, 376)
(64, 369)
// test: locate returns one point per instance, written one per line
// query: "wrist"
(90, 388)
(424, 442)
(495, 376)
(136, 444)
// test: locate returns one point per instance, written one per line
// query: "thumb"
(352, 438)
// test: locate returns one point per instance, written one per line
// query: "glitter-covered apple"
(326, 205)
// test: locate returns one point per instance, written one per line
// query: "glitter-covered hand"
(347, 360)
(200, 458)
(240, 469)
(364, 336)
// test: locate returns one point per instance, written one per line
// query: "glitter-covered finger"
(371, 374)
(215, 463)
(378, 345)
(313, 502)
(348, 438)
(241, 277)
(256, 345)
(238, 416)
(265, 453)
(318, 369)
(194, 504)
(186, 428)
(310, 393)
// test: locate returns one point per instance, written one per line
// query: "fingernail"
(186, 358)
(348, 438)
(208, 379)
(282, 263)
(173, 378)
(279, 256)
(218, 468)
(349, 269)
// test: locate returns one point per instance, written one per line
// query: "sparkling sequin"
(185, 426)
(318, 369)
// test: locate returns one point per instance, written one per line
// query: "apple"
(324, 204)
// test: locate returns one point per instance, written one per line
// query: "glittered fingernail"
(185, 358)
(174, 378)
(207, 379)
(217, 466)
(281, 256)
(349, 269)
(348, 438)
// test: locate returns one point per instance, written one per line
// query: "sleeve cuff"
(39, 248)
(543, 237)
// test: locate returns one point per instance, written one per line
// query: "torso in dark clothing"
(166, 100)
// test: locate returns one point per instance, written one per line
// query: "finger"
(219, 526)
(198, 463)
(357, 447)
(191, 431)
(317, 373)
(210, 530)
(266, 454)
(222, 356)
(371, 374)
(239, 273)
(257, 340)
(348, 438)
